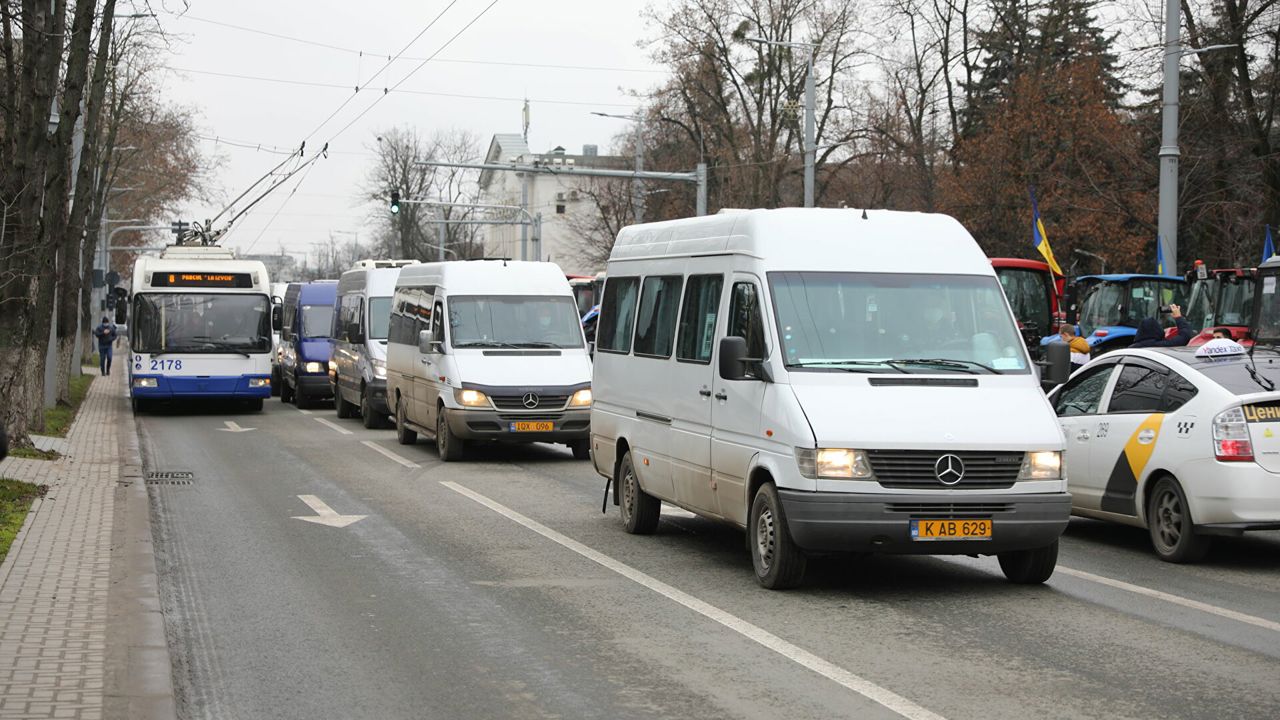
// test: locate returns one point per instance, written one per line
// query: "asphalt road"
(495, 588)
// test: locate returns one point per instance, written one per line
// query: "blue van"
(305, 342)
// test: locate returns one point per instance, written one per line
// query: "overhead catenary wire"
(276, 214)
(295, 154)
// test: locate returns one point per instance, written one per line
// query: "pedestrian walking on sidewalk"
(106, 334)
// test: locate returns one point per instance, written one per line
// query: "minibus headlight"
(1041, 465)
(582, 398)
(471, 398)
(313, 367)
(379, 367)
(835, 463)
(259, 382)
(145, 382)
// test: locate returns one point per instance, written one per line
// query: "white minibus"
(358, 370)
(832, 381)
(488, 350)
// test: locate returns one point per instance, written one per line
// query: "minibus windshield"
(512, 321)
(201, 323)
(317, 321)
(895, 322)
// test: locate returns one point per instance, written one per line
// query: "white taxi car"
(1182, 441)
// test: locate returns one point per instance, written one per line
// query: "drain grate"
(170, 477)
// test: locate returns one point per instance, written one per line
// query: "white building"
(558, 197)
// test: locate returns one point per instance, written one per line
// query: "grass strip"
(31, 453)
(15, 500)
(57, 419)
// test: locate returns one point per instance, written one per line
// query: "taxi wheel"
(1169, 522)
(404, 435)
(779, 563)
(640, 510)
(449, 446)
(1029, 567)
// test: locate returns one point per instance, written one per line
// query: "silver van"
(358, 370)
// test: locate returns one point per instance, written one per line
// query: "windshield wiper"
(220, 345)
(539, 344)
(486, 344)
(1263, 382)
(962, 365)
(835, 365)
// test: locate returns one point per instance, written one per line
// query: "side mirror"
(427, 345)
(1057, 365)
(277, 317)
(733, 358)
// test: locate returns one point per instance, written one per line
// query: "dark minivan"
(305, 342)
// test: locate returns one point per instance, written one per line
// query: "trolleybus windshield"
(201, 323)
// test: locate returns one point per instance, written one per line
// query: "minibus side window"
(617, 315)
(698, 318)
(744, 318)
(656, 325)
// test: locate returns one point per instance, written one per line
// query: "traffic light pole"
(529, 223)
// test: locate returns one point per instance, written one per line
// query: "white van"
(358, 370)
(510, 365)
(830, 380)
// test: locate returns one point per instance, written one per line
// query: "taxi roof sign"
(1220, 347)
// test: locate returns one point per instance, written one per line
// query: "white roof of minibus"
(815, 239)
(375, 282)
(489, 277)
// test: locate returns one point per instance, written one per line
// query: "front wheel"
(275, 381)
(1029, 567)
(368, 415)
(779, 563)
(345, 409)
(140, 405)
(640, 510)
(448, 445)
(286, 392)
(404, 435)
(1169, 522)
(581, 449)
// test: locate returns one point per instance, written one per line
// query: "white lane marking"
(304, 412)
(325, 515)
(232, 427)
(675, 511)
(1174, 599)
(340, 429)
(388, 453)
(825, 668)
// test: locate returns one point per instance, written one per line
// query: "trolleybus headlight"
(834, 463)
(1041, 465)
(145, 382)
(259, 382)
(582, 398)
(314, 367)
(471, 398)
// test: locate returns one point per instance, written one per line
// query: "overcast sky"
(521, 35)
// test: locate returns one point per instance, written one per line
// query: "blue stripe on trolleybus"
(202, 386)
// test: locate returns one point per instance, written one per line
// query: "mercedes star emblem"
(530, 400)
(949, 469)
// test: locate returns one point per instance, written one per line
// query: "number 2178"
(165, 364)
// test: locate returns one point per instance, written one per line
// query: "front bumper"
(848, 522)
(377, 391)
(496, 425)
(208, 386)
(315, 386)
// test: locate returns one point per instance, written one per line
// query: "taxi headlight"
(145, 382)
(582, 398)
(313, 367)
(835, 463)
(471, 398)
(1041, 465)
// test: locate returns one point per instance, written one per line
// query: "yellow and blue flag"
(1268, 248)
(1159, 256)
(1038, 237)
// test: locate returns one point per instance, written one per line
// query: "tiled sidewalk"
(54, 583)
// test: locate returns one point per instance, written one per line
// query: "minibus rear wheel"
(1029, 567)
(640, 510)
(779, 563)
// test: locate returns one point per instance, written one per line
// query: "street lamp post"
(1167, 219)
(810, 104)
(637, 185)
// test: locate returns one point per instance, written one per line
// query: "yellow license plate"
(532, 426)
(951, 529)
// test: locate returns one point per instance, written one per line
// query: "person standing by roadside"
(106, 334)
(1079, 346)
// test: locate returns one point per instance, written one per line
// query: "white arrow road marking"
(755, 633)
(325, 514)
(340, 429)
(232, 427)
(388, 453)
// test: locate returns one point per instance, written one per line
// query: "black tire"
(286, 392)
(140, 405)
(581, 449)
(275, 381)
(1173, 535)
(344, 408)
(368, 416)
(1029, 567)
(778, 562)
(404, 435)
(640, 510)
(450, 446)
(255, 405)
